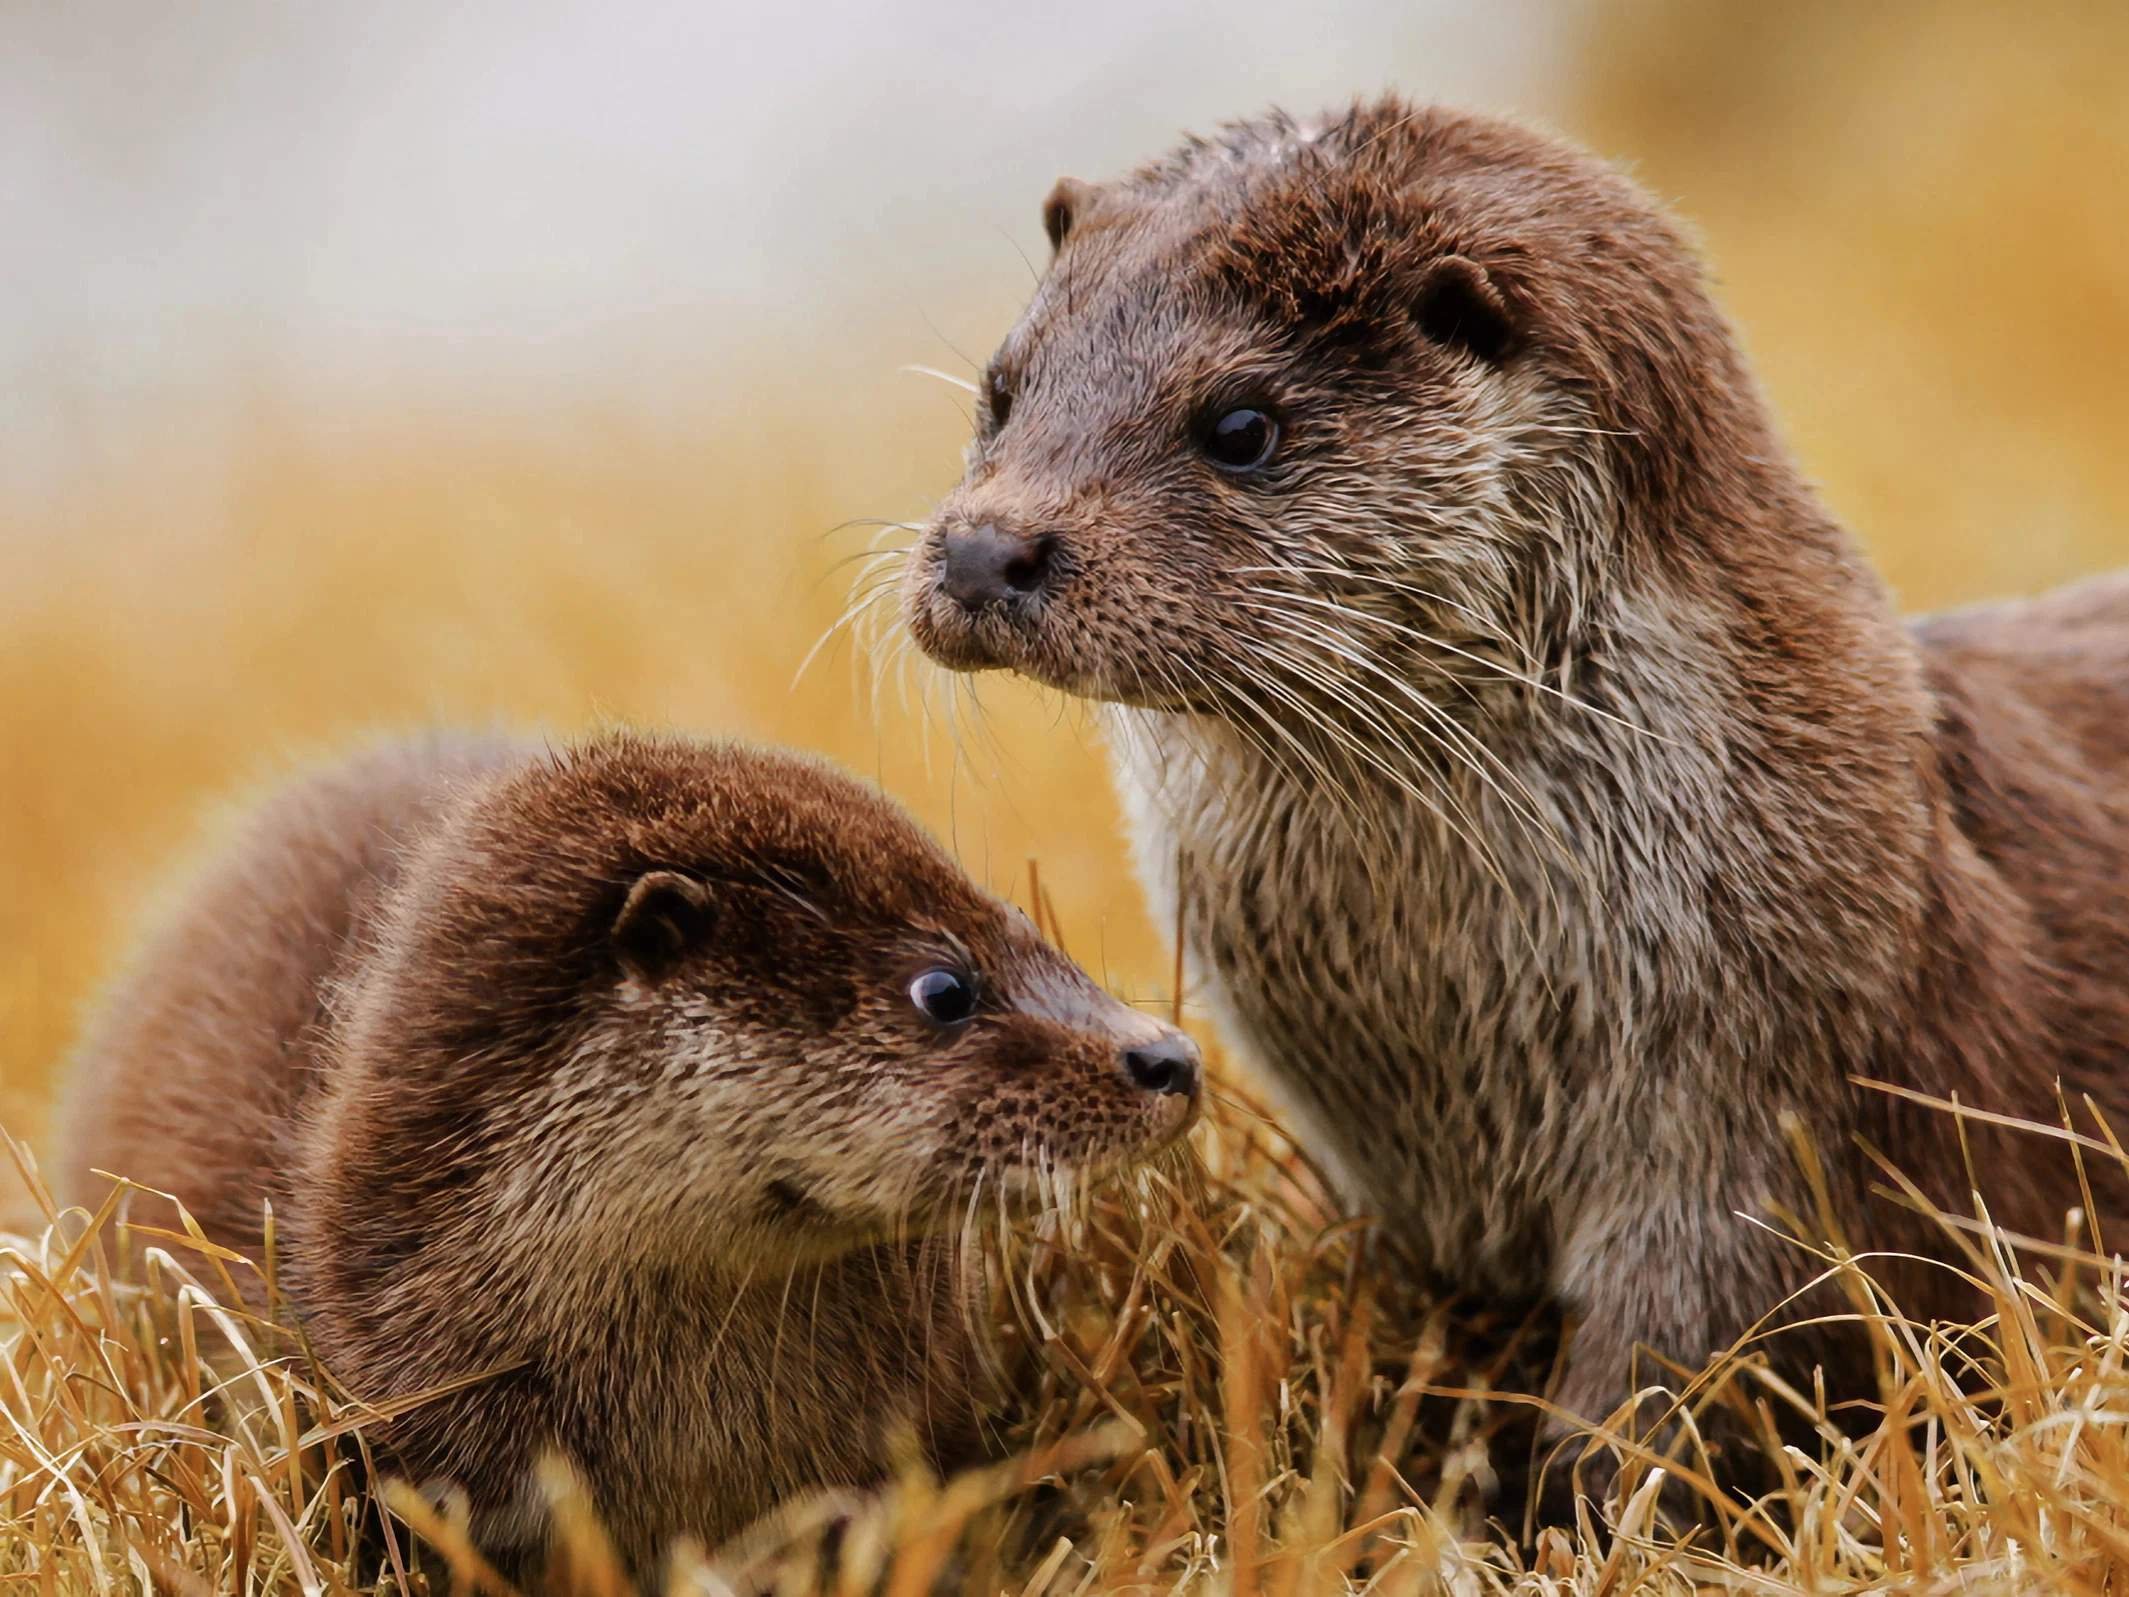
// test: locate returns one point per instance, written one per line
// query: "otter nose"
(986, 566)
(1169, 1065)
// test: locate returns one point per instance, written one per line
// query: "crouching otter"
(627, 1080)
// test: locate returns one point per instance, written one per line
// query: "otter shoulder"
(2042, 681)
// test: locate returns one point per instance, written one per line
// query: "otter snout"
(987, 565)
(983, 593)
(1169, 1066)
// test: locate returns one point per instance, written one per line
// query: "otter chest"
(1385, 997)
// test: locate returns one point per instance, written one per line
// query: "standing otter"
(630, 1078)
(1558, 809)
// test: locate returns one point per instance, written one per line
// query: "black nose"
(1169, 1065)
(986, 566)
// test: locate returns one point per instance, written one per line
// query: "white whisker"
(961, 383)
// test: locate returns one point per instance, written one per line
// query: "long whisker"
(1439, 725)
(1471, 753)
(1294, 702)
(1253, 717)
(1461, 823)
(1368, 822)
(1464, 828)
(881, 523)
(872, 549)
(878, 577)
(1345, 573)
(776, 1346)
(1480, 660)
(980, 724)
(961, 383)
(1441, 730)
(731, 1310)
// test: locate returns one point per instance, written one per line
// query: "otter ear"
(1459, 308)
(1066, 201)
(665, 918)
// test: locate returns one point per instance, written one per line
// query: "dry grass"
(1214, 1392)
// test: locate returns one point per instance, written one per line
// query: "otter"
(1558, 812)
(644, 1085)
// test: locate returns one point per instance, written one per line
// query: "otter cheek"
(892, 1167)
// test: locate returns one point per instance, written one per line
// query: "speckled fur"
(1557, 805)
(687, 1192)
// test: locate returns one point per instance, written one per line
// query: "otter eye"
(942, 996)
(999, 398)
(1241, 440)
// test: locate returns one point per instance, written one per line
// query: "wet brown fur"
(595, 1073)
(1559, 811)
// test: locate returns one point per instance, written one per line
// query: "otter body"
(1556, 808)
(629, 1084)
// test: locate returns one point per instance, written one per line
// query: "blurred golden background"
(368, 366)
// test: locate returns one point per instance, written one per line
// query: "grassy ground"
(1214, 1391)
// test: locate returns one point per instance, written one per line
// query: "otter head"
(731, 1002)
(1306, 415)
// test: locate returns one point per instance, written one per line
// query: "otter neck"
(1705, 863)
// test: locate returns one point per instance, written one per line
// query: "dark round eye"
(943, 996)
(999, 398)
(1241, 440)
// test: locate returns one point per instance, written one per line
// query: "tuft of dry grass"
(1215, 1387)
